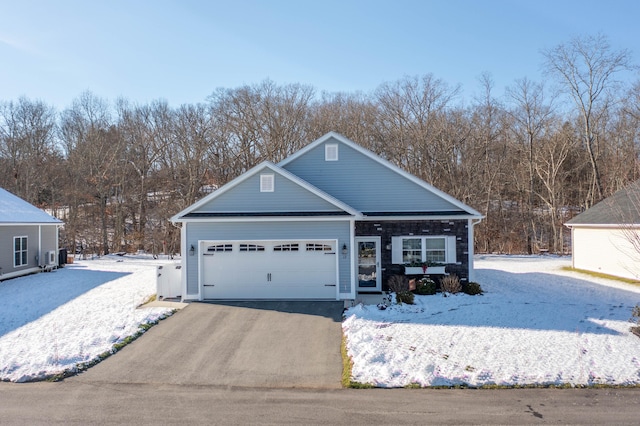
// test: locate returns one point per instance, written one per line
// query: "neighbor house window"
(267, 183)
(331, 152)
(19, 251)
(412, 249)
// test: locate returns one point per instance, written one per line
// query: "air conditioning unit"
(51, 258)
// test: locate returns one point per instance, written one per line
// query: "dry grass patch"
(601, 275)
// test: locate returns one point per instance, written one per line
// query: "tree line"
(528, 160)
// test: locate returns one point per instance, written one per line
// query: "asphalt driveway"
(245, 344)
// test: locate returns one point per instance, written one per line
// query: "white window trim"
(267, 182)
(26, 250)
(331, 152)
(449, 247)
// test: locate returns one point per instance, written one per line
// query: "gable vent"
(267, 183)
(331, 152)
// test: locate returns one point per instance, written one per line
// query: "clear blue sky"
(182, 50)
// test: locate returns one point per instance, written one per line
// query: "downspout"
(352, 268)
(470, 244)
(58, 246)
(183, 258)
(40, 246)
(573, 258)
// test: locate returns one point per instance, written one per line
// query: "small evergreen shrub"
(472, 288)
(426, 286)
(405, 297)
(451, 284)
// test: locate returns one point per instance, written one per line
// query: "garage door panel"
(270, 270)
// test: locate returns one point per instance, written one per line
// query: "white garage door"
(268, 269)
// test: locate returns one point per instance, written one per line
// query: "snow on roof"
(14, 209)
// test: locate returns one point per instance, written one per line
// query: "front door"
(369, 277)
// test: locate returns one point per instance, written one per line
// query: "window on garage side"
(220, 247)
(318, 247)
(251, 247)
(19, 251)
(286, 247)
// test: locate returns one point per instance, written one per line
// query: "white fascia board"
(603, 225)
(266, 219)
(399, 216)
(255, 170)
(385, 163)
(60, 223)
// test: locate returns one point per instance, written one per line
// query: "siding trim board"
(266, 219)
(420, 213)
(261, 214)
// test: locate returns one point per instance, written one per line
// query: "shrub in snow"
(472, 288)
(404, 297)
(426, 286)
(398, 283)
(451, 284)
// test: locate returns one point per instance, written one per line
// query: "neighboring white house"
(606, 237)
(329, 222)
(28, 237)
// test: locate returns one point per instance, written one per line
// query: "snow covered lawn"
(535, 325)
(51, 322)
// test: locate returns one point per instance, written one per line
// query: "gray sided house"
(329, 222)
(28, 237)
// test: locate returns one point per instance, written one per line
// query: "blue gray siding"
(289, 230)
(287, 197)
(48, 237)
(363, 183)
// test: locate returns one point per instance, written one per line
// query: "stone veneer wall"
(387, 229)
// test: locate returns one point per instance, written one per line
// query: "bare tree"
(485, 168)
(144, 146)
(531, 115)
(408, 113)
(94, 152)
(28, 147)
(551, 167)
(586, 68)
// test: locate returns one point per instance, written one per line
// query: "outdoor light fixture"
(344, 249)
(192, 250)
